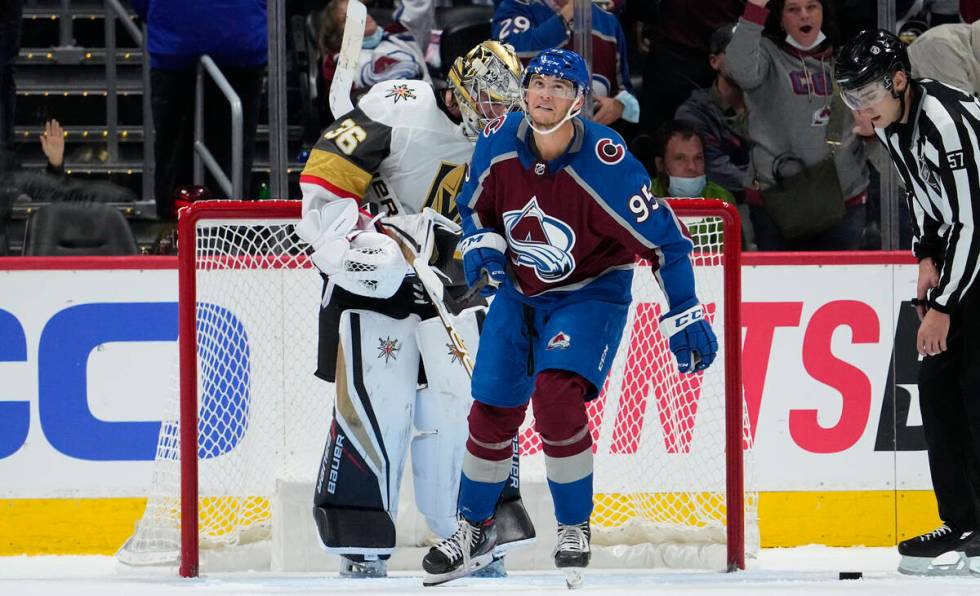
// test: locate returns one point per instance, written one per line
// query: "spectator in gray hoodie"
(721, 119)
(787, 78)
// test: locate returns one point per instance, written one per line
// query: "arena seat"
(78, 229)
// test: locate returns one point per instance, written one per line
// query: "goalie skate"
(920, 554)
(355, 566)
(971, 550)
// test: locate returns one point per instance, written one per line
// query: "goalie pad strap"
(675, 323)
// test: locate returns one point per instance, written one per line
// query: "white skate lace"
(937, 533)
(459, 544)
(572, 538)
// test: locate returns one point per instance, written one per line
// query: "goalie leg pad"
(440, 419)
(356, 499)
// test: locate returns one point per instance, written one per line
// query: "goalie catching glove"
(691, 338)
(363, 262)
(484, 251)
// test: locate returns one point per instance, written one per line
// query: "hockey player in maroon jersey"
(555, 211)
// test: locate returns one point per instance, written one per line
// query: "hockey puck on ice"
(850, 575)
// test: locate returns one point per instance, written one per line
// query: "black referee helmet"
(873, 55)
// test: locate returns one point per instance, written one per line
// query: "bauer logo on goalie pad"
(388, 349)
(561, 341)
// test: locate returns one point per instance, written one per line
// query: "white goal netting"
(262, 417)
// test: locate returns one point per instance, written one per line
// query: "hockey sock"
(487, 462)
(561, 419)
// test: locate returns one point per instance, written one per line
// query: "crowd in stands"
(731, 99)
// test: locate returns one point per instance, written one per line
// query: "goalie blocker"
(380, 357)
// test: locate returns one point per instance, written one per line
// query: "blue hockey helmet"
(563, 64)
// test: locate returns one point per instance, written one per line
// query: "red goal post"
(267, 243)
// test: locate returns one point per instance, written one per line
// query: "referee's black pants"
(949, 398)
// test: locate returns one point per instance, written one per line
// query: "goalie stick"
(415, 236)
(350, 51)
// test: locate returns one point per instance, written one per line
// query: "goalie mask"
(486, 84)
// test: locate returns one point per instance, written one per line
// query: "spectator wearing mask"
(532, 26)
(679, 157)
(808, 177)
(384, 56)
(680, 162)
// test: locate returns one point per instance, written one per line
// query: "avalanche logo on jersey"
(541, 242)
(395, 64)
(561, 341)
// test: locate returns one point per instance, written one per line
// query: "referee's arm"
(958, 172)
(926, 240)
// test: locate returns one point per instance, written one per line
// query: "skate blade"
(927, 567)
(574, 577)
(973, 564)
(435, 579)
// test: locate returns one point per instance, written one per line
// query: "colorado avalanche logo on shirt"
(541, 242)
(608, 152)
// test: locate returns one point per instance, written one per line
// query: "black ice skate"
(469, 549)
(918, 553)
(572, 553)
(359, 566)
(971, 550)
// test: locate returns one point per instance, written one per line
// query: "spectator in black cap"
(721, 118)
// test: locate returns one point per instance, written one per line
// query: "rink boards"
(87, 351)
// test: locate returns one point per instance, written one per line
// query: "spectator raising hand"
(53, 144)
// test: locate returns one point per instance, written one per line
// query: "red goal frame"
(253, 210)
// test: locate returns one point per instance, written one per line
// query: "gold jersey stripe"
(338, 172)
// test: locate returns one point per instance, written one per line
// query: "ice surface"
(799, 571)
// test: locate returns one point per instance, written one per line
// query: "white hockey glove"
(362, 262)
(484, 251)
(691, 338)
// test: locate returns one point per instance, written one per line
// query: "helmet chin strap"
(571, 113)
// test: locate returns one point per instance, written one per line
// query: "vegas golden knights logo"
(445, 188)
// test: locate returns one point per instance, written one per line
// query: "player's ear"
(900, 80)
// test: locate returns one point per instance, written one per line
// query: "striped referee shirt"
(937, 153)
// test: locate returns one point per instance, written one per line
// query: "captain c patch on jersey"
(541, 242)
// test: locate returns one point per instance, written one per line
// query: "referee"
(931, 131)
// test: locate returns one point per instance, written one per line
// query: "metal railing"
(114, 10)
(202, 155)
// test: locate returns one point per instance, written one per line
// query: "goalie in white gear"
(380, 342)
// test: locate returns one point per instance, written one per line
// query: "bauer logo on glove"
(690, 337)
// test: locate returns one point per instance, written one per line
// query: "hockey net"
(673, 483)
